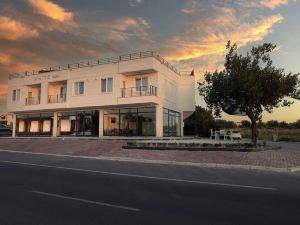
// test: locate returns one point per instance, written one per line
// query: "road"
(41, 190)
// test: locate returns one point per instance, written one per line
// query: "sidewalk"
(113, 148)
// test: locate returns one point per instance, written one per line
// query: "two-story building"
(138, 94)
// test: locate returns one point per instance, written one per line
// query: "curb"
(166, 162)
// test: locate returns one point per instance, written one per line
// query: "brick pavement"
(113, 148)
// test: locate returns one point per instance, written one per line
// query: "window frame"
(75, 88)
(106, 85)
(141, 81)
(16, 95)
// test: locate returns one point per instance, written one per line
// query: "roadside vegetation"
(202, 120)
(273, 130)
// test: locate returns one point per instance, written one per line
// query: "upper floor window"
(16, 95)
(79, 88)
(107, 85)
(141, 83)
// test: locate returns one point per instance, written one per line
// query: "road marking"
(85, 201)
(142, 176)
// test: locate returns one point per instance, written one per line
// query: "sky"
(191, 34)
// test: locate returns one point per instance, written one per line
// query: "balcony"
(57, 91)
(138, 91)
(57, 98)
(33, 100)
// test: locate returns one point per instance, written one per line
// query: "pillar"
(181, 124)
(14, 121)
(159, 121)
(101, 115)
(54, 128)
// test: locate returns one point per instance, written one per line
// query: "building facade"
(138, 94)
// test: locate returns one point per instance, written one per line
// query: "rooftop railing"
(94, 62)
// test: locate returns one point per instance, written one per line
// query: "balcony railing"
(139, 91)
(32, 100)
(57, 98)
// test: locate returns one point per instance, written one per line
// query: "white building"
(137, 94)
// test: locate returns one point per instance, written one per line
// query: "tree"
(245, 124)
(272, 124)
(249, 85)
(224, 124)
(203, 121)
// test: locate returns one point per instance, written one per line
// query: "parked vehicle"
(5, 132)
(236, 135)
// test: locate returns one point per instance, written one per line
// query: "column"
(14, 121)
(159, 121)
(181, 124)
(101, 115)
(54, 128)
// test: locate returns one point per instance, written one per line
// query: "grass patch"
(292, 135)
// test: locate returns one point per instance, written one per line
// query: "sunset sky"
(190, 34)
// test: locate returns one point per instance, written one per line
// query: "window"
(79, 88)
(141, 84)
(106, 85)
(171, 123)
(129, 122)
(16, 95)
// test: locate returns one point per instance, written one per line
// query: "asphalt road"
(38, 189)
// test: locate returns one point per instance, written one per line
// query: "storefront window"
(34, 124)
(111, 124)
(146, 124)
(172, 126)
(130, 122)
(84, 123)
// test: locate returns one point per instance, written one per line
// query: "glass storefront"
(171, 123)
(130, 122)
(83, 123)
(38, 124)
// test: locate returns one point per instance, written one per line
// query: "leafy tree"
(284, 124)
(203, 121)
(296, 124)
(224, 124)
(245, 124)
(272, 124)
(249, 85)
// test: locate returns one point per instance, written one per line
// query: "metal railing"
(33, 100)
(139, 91)
(94, 62)
(57, 98)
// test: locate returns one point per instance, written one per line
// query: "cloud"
(118, 30)
(206, 37)
(135, 2)
(271, 4)
(192, 7)
(5, 59)
(51, 10)
(13, 30)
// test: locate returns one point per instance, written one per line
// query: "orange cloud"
(11, 29)
(213, 41)
(5, 59)
(271, 4)
(3, 91)
(51, 10)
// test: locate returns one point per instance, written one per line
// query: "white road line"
(142, 176)
(86, 201)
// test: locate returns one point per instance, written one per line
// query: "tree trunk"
(254, 132)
